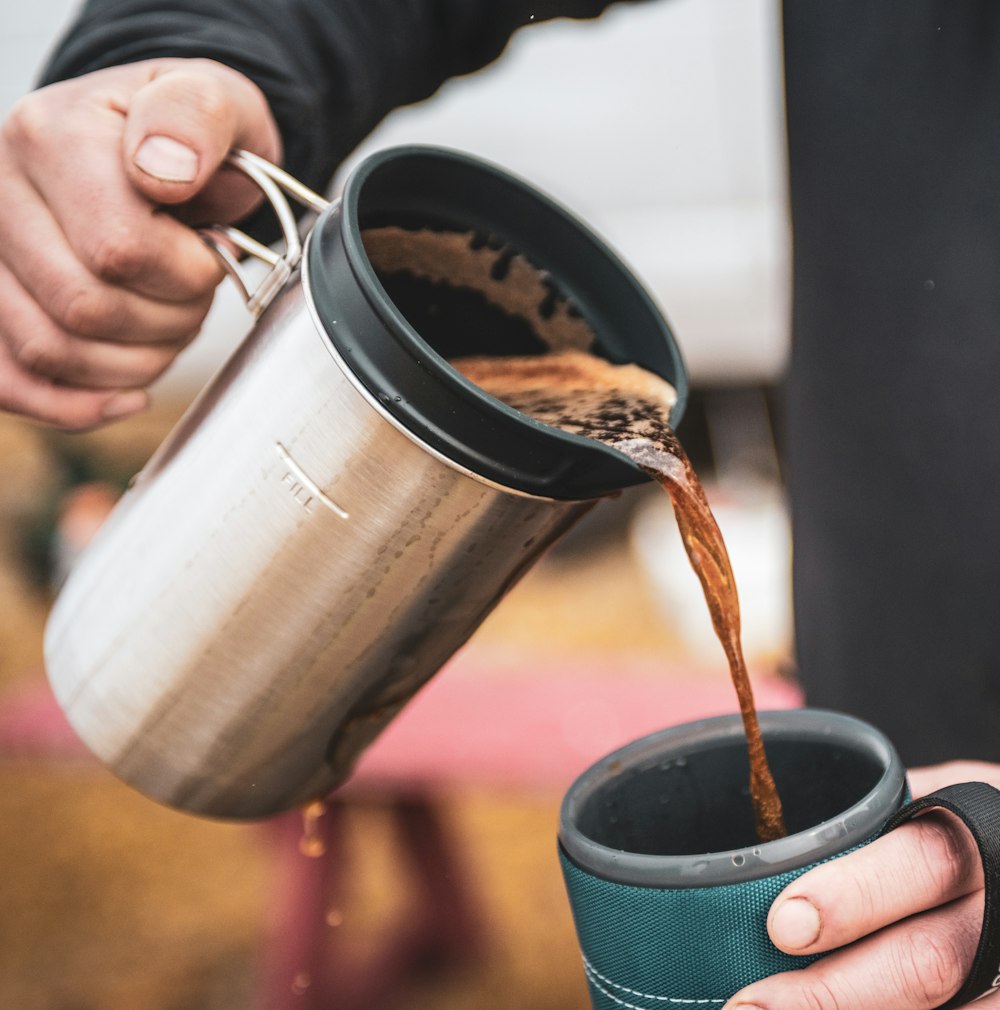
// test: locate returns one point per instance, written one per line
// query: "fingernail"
(166, 159)
(122, 404)
(795, 924)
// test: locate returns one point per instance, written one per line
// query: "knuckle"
(820, 995)
(945, 853)
(86, 310)
(930, 966)
(203, 96)
(866, 896)
(27, 123)
(213, 103)
(119, 255)
(35, 354)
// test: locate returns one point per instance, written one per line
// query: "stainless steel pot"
(339, 510)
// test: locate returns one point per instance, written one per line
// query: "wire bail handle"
(276, 185)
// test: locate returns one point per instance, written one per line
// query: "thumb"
(179, 128)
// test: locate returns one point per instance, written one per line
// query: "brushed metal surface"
(284, 573)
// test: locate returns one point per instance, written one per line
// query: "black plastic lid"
(442, 190)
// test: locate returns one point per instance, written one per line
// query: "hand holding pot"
(910, 905)
(100, 288)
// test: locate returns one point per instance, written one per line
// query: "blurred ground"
(111, 902)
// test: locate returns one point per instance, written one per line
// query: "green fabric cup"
(670, 889)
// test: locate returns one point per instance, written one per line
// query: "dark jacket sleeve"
(331, 69)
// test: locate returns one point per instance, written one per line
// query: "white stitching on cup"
(593, 974)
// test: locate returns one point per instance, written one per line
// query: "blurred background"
(661, 126)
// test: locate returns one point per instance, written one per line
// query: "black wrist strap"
(977, 805)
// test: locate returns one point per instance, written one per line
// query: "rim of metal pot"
(430, 399)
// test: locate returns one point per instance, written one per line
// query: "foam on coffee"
(577, 392)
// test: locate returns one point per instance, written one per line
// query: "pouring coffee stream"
(628, 409)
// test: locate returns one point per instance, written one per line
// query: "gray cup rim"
(851, 827)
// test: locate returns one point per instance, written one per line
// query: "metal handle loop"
(276, 185)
